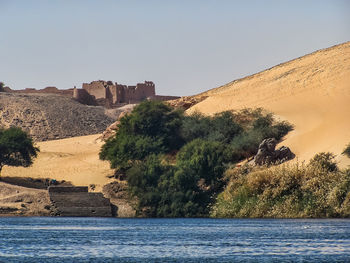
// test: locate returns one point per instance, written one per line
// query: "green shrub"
(347, 150)
(325, 160)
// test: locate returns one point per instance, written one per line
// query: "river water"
(47, 239)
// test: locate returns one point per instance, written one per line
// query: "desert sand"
(311, 92)
(74, 160)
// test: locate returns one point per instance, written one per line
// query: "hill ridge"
(214, 90)
(50, 116)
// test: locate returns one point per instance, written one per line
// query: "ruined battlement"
(107, 93)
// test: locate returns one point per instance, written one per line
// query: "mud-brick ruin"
(110, 94)
(104, 93)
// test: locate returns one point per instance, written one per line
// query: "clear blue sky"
(184, 46)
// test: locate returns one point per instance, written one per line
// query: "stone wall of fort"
(82, 96)
(109, 94)
(97, 89)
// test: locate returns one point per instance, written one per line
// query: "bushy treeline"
(317, 189)
(174, 164)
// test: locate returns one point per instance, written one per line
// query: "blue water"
(173, 240)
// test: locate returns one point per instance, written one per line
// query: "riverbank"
(25, 196)
(23, 201)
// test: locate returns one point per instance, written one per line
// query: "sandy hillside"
(74, 159)
(312, 92)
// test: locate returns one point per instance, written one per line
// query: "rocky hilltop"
(50, 116)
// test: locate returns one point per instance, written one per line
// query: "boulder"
(186, 102)
(113, 128)
(268, 155)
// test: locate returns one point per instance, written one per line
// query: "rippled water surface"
(173, 240)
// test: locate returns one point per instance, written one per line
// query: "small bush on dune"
(324, 161)
(347, 150)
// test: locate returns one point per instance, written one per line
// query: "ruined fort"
(104, 93)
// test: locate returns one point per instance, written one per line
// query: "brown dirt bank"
(23, 201)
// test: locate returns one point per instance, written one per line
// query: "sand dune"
(312, 92)
(74, 159)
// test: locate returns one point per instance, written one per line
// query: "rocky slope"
(49, 117)
(312, 92)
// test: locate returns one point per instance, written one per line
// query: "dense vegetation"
(16, 148)
(174, 164)
(318, 189)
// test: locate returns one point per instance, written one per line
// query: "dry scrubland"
(311, 92)
(292, 190)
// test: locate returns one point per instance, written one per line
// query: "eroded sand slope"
(311, 92)
(74, 159)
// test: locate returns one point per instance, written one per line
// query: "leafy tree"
(222, 127)
(184, 190)
(195, 126)
(152, 127)
(143, 179)
(347, 150)
(16, 148)
(200, 165)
